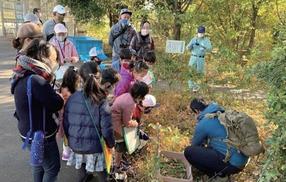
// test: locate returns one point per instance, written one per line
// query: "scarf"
(26, 66)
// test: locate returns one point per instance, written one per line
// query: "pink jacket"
(67, 52)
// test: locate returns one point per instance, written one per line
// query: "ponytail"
(91, 86)
(18, 43)
(92, 89)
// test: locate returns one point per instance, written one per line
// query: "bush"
(273, 73)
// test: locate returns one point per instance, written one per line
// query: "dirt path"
(243, 94)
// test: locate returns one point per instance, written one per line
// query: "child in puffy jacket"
(86, 120)
(70, 84)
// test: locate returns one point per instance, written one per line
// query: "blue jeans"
(116, 63)
(209, 161)
(48, 172)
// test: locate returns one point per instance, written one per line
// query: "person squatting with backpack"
(210, 152)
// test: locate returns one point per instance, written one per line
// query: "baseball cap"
(59, 9)
(201, 29)
(30, 17)
(125, 10)
(149, 101)
(60, 28)
(98, 53)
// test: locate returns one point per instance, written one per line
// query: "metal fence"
(12, 14)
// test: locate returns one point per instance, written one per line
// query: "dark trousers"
(209, 161)
(84, 176)
(48, 172)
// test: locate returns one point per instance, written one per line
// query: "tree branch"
(199, 7)
(185, 5)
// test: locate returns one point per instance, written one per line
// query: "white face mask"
(144, 32)
(60, 38)
(200, 35)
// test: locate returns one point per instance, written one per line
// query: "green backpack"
(241, 132)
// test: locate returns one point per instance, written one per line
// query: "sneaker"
(122, 176)
(65, 156)
(124, 166)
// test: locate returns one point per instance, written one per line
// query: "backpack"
(241, 132)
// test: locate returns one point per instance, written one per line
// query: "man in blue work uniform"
(198, 46)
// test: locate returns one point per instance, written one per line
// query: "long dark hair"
(91, 88)
(39, 49)
(109, 75)
(71, 79)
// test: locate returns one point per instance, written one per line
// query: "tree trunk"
(177, 30)
(253, 25)
(113, 18)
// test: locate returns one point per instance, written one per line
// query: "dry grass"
(176, 131)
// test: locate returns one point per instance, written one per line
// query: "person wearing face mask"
(97, 56)
(198, 46)
(150, 59)
(142, 42)
(122, 112)
(39, 60)
(67, 50)
(59, 14)
(130, 72)
(120, 37)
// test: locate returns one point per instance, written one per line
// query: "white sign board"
(175, 46)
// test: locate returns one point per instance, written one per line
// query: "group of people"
(90, 98)
(94, 101)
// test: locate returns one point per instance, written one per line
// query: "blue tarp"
(84, 43)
